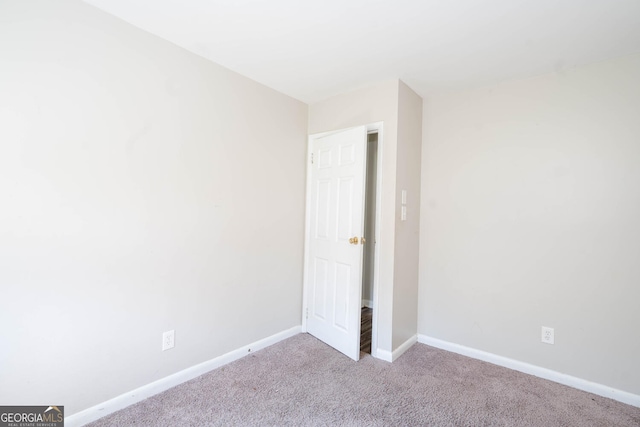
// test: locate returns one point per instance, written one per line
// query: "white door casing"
(334, 263)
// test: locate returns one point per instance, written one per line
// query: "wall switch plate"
(547, 335)
(168, 340)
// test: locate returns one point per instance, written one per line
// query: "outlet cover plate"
(168, 340)
(547, 335)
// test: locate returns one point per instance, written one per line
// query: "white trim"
(307, 234)
(388, 356)
(375, 303)
(547, 374)
(403, 347)
(120, 402)
(383, 355)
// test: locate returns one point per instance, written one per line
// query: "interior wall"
(530, 218)
(407, 236)
(143, 189)
(378, 103)
(370, 220)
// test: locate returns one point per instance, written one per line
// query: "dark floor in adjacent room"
(365, 330)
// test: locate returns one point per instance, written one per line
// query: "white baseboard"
(547, 374)
(385, 355)
(98, 411)
(403, 347)
(367, 303)
(388, 356)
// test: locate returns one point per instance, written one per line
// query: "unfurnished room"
(304, 213)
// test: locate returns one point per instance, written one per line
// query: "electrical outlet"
(547, 335)
(168, 340)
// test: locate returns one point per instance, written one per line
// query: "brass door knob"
(362, 240)
(353, 240)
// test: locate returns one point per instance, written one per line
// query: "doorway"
(368, 262)
(335, 237)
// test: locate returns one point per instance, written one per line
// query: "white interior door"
(334, 247)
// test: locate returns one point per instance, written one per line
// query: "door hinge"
(307, 313)
(311, 158)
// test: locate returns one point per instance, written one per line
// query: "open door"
(333, 272)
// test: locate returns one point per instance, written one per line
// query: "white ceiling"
(312, 50)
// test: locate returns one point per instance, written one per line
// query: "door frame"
(376, 127)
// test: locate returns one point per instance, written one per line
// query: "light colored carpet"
(303, 382)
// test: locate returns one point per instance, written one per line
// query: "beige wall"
(368, 259)
(530, 218)
(405, 282)
(143, 189)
